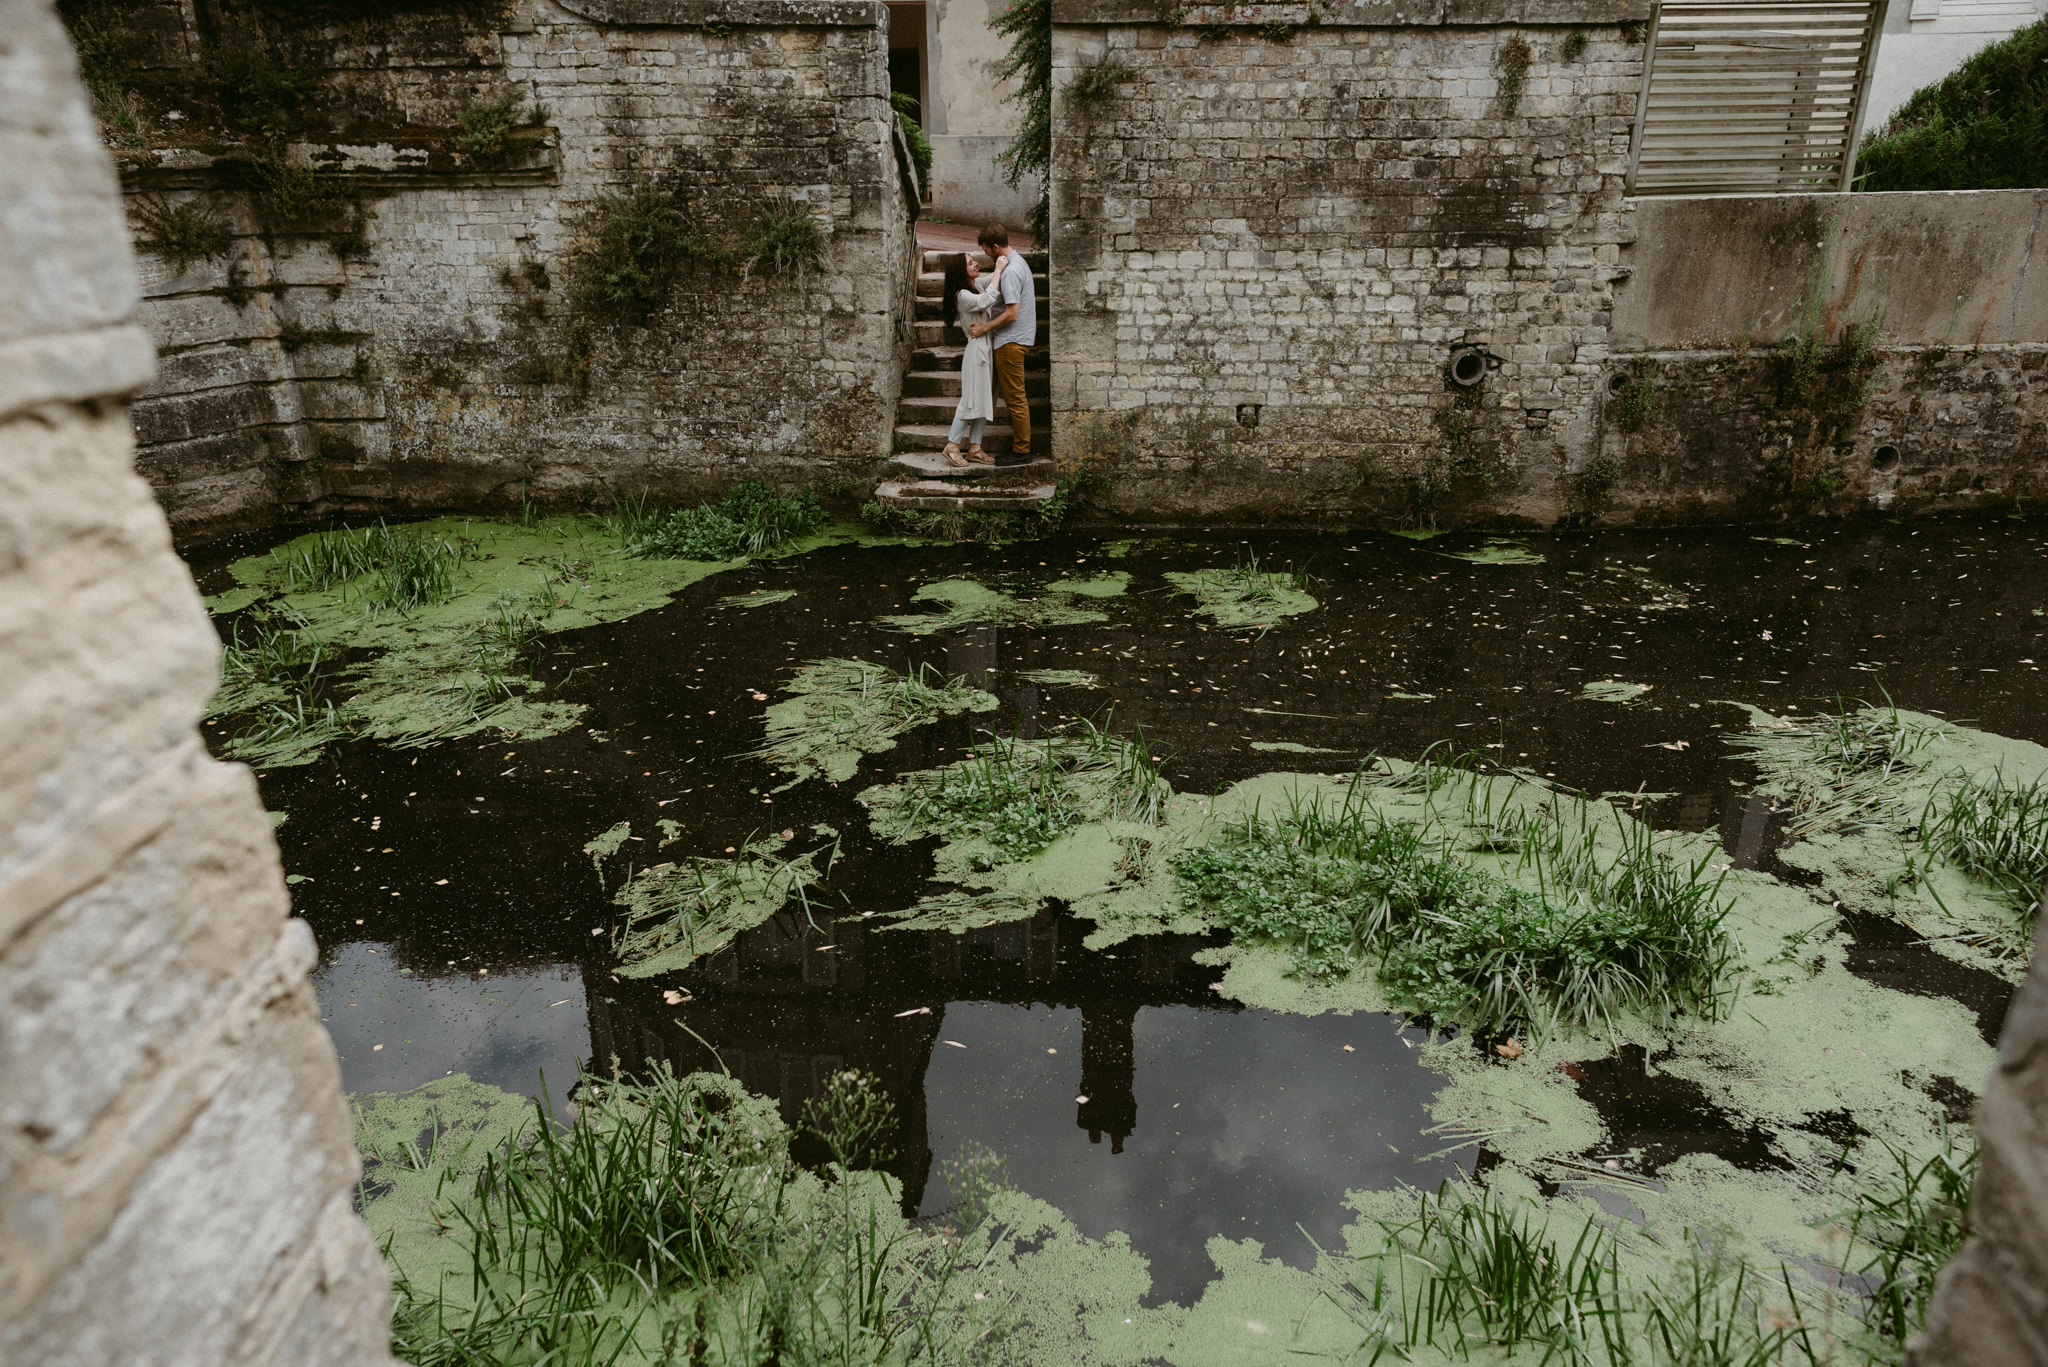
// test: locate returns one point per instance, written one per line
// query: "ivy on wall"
(1028, 26)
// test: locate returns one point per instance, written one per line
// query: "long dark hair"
(956, 278)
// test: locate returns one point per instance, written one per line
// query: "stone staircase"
(918, 478)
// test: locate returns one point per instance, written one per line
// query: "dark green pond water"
(464, 929)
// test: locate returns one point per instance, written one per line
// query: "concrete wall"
(972, 119)
(176, 1172)
(1927, 390)
(417, 349)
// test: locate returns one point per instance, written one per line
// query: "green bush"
(105, 43)
(1028, 26)
(635, 247)
(1984, 126)
(749, 520)
(255, 92)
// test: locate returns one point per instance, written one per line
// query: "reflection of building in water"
(1109, 1100)
(796, 1000)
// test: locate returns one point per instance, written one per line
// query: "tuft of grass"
(1349, 887)
(1910, 1218)
(1246, 597)
(1477, 1268)
(408, 570)
(481, 126)
(675, 913)
(287, 732)
(1017, 797)
(1996, 831)
(181, 233)
(784, 236)
(1839, 767)
(290, 191)
(1095, 85)
(751, 519)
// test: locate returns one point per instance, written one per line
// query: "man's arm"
(1007, 316)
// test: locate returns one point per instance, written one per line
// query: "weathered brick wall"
(176, 1171)
(1290, 214)
(433, 359)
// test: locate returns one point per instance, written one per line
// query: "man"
(1012, 333)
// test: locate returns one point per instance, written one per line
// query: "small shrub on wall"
(1982, 127)
(636, 244)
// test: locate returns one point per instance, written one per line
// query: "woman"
(977, 364)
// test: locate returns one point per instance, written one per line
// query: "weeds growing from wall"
(181, 233)
(635, 245)
(288, 190)
(1350, 887)
(782, 237)
(255, 92)
(1573, 47)
(1096, 84)
(1823, 387)
(1027, 24)
(749, 520)
(1636, 399)
(1511, 66)
(481, 127)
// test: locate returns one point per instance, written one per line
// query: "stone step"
(952, 496)
(936, 358)
(996, 438)
(945, 384)
(932, 465)
(938, 413)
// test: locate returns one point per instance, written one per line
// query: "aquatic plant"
(1998, 832)
(666, 1223)
(285, 732)
(750, 520)
(1474, 1267)
(1017, 796)
(676, 912)
(963, 602)
(262, 659)
(1245, 597)
(1910, 1218)
(1640, 931)
(415, 569)
(839, 710)
(1837, 767)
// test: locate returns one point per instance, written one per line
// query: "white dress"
(977, 364)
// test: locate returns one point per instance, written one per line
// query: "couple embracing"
(1000, 317)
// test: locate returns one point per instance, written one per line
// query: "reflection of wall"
(793, 1002)
(176, 1173)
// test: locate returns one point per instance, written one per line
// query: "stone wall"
(1272, 225)
(176, 1171)
(413, 347)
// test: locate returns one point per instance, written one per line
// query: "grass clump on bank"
(667, 1223)
(676, 913)
(750, 520)
(1245, 597)
(839, 710)
(1984, 126)
(1637, 932)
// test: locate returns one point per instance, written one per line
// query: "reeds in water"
(749, 520)
(1345, 886)
(1997, 831)
(408, 569)
(1839, 767)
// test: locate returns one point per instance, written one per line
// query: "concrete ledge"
(1355, 13)
(739, 13)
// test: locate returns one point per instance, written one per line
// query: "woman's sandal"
(978, 456)
(953, 454)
